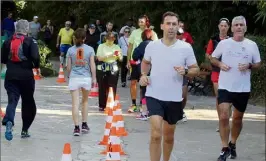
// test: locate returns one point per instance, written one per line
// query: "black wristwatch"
(186, 71)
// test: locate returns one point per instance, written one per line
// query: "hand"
(117, 53)
(180, 70)
(144, 80)
(243, 67)
(128, 65)
(224, 67)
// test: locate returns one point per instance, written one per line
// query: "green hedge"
(258, 87)
(46, 66)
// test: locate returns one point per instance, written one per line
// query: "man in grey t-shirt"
(168, 58)
(35, 28)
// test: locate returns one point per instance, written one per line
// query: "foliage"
(44, 52)
(258, 77)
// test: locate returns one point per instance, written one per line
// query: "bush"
(46, 66)
(258, 77)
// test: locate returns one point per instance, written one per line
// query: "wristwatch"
(186, 71)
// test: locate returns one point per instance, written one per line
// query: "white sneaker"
(184, 118)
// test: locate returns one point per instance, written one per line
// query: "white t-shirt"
(165, 82)
(233, 53)
(123, 43)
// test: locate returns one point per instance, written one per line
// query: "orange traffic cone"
(94, 91)
(109, 118)
(119, 119)
(110, 101)
(66, 153)
(113, 156)
(36, 76)
(2, 114)
(61, 76)
(114, 142)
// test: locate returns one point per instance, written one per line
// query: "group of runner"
(159, 65)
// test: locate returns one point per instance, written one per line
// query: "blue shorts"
(64, 48)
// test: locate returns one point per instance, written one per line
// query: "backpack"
(16, 49)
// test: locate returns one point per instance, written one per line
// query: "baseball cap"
(92, 26)
(35, 17)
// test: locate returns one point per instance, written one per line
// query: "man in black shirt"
(92, 37)
(20, 53)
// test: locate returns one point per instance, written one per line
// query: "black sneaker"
(85, 128)
(225, 153)
(123, 84)
(233, 150)
(76, 131)
(25, 134)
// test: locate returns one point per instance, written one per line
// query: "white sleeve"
(217, 53)
(190, 59)
(148, 51)
(256, 54)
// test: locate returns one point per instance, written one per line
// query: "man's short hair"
(22, 26)
(239, 18)
(169, 13)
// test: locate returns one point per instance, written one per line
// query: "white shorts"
(77, 83)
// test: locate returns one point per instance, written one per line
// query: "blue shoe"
(8, 133)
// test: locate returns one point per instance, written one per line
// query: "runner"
(138, 55)
(81, 67)
(239, 56)
(223, 26)
(65, 37)
(168, 58)
(123, 43)
(48, 30)
(107, 69)
(19, 80)
(109, 28)
(134, 41)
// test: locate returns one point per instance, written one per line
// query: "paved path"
(194, 140)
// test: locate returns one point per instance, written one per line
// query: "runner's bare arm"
(93, 68)
(129, 51)
(145, 67)
(69, 65)
(193, 70)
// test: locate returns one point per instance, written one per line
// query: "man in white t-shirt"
(168, 58)
(239, 56)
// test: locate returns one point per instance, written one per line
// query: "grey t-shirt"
(80, 60)
(34, 29)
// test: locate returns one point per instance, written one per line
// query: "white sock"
(61, 58)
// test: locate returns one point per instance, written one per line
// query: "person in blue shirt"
(8, 26)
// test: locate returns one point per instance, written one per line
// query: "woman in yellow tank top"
(108, 54)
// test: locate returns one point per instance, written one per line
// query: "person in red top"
(186, 36)
(213, 42)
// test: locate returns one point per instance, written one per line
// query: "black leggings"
(25, 89)
(105, 80)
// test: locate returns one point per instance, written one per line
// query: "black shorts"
(239, 100)
(135, 72)
(171, 112)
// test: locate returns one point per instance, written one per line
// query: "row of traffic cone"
(114, 129)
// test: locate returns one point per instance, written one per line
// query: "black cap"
(92, 26)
